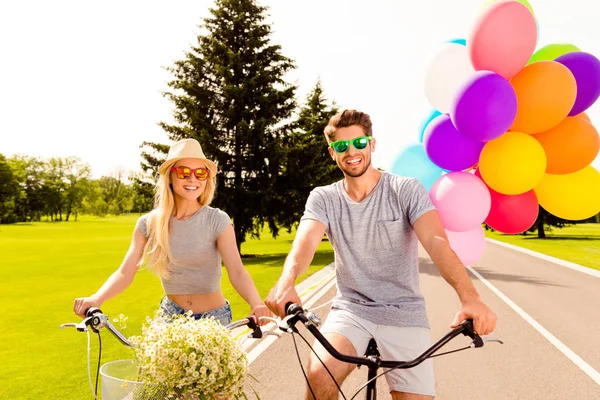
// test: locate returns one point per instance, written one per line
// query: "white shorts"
(394, 343)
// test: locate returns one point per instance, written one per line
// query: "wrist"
(97, 298)
(469, 299)
(468, 295)
(288, 279)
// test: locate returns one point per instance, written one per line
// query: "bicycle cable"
(391, 369)
(88, 364)
(321, 306)
(322, 363)
(99, 360)
(302, 367)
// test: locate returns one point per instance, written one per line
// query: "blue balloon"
(459, 41)
(428, 118)
(413, 162)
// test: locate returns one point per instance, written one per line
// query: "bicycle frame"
(372, 359)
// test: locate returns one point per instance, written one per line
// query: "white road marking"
(314, 296)
(563, 263)
(578, 361)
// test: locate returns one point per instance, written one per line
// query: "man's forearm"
(295, 265)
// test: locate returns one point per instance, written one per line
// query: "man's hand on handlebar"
(484, 320)
(282, 293)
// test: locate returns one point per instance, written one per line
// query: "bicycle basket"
(119, 382)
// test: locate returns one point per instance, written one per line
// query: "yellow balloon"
(512, 164)
(573, 196)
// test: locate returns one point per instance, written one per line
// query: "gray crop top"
(196, 266)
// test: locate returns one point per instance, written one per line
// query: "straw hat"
(187, 148)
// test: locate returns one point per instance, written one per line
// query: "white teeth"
(190, 187)
(353, 161)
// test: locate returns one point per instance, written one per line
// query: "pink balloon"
(469, 245)
(462, 200)
(503, 38)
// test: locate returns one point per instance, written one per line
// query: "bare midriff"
(199, 303)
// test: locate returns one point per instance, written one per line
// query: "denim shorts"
(221, 314)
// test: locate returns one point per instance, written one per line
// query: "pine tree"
(308, 163)
(229, 93)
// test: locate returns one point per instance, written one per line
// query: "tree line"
(230, 93)
(60, 188)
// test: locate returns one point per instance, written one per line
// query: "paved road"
(564, 304)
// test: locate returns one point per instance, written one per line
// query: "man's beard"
(358, 173)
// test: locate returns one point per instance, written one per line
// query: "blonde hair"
(345, 119)
(157, 251)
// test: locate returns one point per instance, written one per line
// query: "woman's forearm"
(243, 284)
(113, 286)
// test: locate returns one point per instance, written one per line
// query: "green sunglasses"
(359, 143)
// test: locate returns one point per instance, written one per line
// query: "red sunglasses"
(185, 172)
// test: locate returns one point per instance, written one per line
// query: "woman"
(183, 240)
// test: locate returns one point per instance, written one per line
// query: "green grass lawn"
(579, 243)
(45, 266)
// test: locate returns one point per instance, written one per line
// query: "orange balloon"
(546, 92)
(570, 146)
(584, 116)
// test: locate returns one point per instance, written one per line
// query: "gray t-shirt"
(376, 248)
(196, 266)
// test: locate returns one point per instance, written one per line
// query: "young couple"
(374, 221)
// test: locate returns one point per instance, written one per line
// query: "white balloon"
(446, 72)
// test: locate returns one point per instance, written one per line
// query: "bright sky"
(84, 78)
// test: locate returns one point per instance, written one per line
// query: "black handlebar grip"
(293, 309)
(468, 328)
(92, 311)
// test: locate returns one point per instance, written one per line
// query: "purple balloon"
(586, 69)
(484, 107)
(449, 149)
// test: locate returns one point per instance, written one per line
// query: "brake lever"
(493, 340)
(80, 326)
(286, 326)
(478, 341)
(275, 321)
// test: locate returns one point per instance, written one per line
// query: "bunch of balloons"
(508, 130)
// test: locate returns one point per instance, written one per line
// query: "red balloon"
(511, 214)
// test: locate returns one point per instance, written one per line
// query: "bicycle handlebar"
(297, 313)
(96, 320)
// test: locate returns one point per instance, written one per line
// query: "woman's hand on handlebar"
(282, 293)
(83, 303)
(261, 311)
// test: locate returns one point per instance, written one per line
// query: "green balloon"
(524, 2)
(552, 51)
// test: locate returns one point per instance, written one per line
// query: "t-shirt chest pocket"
(388, 234)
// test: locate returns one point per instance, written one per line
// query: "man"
(374, 221)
